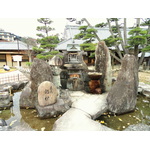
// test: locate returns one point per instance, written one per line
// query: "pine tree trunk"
(141, 59)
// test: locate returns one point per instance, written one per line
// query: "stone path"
(85, 108)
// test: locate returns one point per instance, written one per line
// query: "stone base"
(53, 110)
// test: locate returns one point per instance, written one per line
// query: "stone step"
(80, 116)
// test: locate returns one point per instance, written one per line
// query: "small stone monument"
(50, 102)
(47, 93)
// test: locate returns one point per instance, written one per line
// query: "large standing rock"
(123, 95)
(40, 72)
(47, 93)
(103, 65)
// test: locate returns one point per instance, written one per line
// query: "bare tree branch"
(92, 28)
(116, 44)
(119, 33)
(125, 33)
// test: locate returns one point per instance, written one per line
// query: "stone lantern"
(74, 68)
(55, 63)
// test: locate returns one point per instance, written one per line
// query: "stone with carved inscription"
(47, 93)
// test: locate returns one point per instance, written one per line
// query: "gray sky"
(26, 27)
(20, 17)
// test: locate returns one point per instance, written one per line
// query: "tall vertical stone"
(40, 72)
(103, 65)
(122, 97)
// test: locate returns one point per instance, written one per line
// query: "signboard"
(17, 58)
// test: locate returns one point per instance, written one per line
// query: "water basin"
(120, 122)
(25, 119)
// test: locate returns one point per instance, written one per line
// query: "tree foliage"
(86, 34)
(146, 22)
(45, 28)
(138, 37)
(47, 42)
(110, 41)
(47, 55)
(101, 25)
(88, 46)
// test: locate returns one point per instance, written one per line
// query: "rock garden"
(63, 95)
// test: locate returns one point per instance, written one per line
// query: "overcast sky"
(20, 17)
(26, 27)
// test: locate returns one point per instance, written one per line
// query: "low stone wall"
(6, 91)
(13, 86)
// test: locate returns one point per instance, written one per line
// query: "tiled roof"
(13, 46)
(63, 45)
(103, 33)
(71, 31)
(147, 54)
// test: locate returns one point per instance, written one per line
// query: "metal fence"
(12, 78)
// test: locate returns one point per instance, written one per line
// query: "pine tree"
(46, 41)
